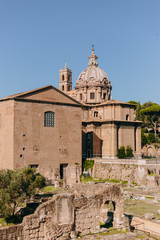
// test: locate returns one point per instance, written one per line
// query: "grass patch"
(152, 198)
(124, 182)
(114, 181)
(50, 189)
(112, 231)
(139, 208)
(153, 174)
(3, 223)
(135, 183)
(140, 237)
(86, 179)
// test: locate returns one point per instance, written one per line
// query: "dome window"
(127, 117)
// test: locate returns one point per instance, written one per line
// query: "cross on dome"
(92, 49)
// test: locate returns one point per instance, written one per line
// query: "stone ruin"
(70, 213)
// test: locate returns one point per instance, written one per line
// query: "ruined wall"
(68, 213)
(86, 215)
(96, 196)
(151, 150)
(141, 174)
(51, 219)
(12, 232)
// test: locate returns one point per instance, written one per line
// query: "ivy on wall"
(88, 164)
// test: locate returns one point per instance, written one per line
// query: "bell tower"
(65, 79)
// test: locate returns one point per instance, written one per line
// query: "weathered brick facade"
(25, 140)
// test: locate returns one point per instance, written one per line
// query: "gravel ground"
(126, 236)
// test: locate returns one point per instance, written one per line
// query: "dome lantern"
(93, 58)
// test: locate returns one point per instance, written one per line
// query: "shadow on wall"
(107, 214)
(91, 145)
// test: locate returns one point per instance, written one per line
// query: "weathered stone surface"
(69, 213)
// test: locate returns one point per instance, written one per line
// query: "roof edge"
(30, 92)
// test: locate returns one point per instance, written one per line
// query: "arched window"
(49, 119)
(62, 88)
(63, 77)
(68, 78)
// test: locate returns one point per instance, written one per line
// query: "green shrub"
(121, 152)
(151, 138)
(129, 152)
(86, 178)
(16, 187)
(144, 139)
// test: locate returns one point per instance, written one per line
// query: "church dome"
(93, 75)
(93, 85)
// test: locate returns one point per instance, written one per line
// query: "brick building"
(41, 128)
(52, 129)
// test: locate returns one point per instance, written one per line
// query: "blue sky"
(38, 36)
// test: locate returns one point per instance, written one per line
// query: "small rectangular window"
(91, 95)
(95, 114)
(34, 165)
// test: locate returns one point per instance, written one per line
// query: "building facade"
(52, 130)
(41, 128)
(106, 124)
